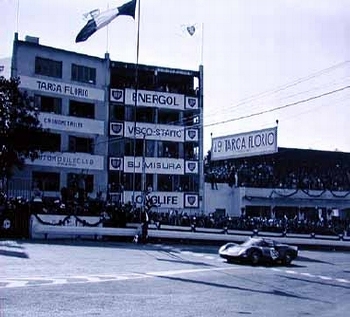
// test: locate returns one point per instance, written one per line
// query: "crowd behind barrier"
(269, 173)
(18, 211)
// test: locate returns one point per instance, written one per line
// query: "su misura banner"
(165, 199)
(153, 131)
(61, 88)
(152, 165)
(71, 124)
(68, 160)
(245, 144)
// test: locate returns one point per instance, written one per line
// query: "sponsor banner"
(115, 164)
(160, 132)
(157, 99)
(244, 144)
(191, 134)
(191, 103)
(116, 95)
(68, 160)
(160, 199)
(116, 128)
(191, 167)
(61, 88)
(154, 165)
(71, 124)
(191, 200)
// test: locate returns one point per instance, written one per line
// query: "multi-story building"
(102, 134)
(162, 113)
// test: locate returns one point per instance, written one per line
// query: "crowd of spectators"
(273, 172)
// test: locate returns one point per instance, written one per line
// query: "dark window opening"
(48, 104)
(48, 67)
(82, 145)
(45, 181)
(81, 109)
(83, 74)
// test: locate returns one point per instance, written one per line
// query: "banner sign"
(160, 199)
(154, 165)
(191, 103)
(61, 88)
(68, 160)
(116, 164)
(191, 200)
(191, 134)
(245, 144)
(161, 132)
(116, 95)
(191, 167)
(116, 128)
(157, 99)
(70, 124)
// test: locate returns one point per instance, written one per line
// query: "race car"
(259, 250)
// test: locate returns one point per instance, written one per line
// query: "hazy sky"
(264, 60)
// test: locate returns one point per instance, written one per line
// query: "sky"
(264, 61)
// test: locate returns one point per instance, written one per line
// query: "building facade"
(117, 129)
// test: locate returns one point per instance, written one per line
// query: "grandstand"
(306, 185)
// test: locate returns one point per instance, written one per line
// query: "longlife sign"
(244, 144)
(165, 199)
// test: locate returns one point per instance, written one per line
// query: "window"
(81, 109)
(189, 183)
(73, 182)
(168, 149)
(48, 67)
(128, 181)
(48, 104)
(149, 147)
(47, 142)
(168, 183)
(83, 145)
(166, 116)
(84, 74)
(46, 181)
(117, 112)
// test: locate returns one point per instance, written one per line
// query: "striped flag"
(100, 19)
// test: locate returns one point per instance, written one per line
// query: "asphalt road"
(124, 279)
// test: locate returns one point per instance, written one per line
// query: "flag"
(99, 20)
(191, 30)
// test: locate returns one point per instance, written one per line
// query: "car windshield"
(251, 242)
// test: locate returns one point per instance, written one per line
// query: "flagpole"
(107, 32)
(202, 44)
(17, 16)
(135, 105)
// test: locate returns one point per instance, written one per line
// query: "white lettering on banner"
(154, 131)
(154, 165)
(69, 160)
(155, 99)
(64, 123)
(161, 199)
(245, 144)
(62, 88)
